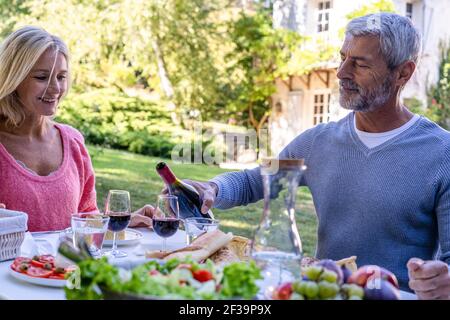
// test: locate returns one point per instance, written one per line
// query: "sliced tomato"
(39, 272)
(202, 275)
(37, 263)
(16, 268)
(47, 258)
(20, 260)
(57, 276)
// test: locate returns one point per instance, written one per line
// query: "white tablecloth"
(12, 288)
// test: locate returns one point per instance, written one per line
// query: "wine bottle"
(189, 199)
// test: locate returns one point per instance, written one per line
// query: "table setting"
(144, 251)
(184, 255)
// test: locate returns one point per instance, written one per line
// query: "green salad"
(172, 279)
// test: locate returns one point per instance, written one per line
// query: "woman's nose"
(54, 86)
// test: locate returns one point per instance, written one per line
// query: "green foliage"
(439, 95)
(113, 43)
(416, 106)
(375, 6)
(263, 54)
(372, 7)
(113, 119)
(136, 173)
(9, 9)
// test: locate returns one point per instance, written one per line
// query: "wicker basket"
(13, 225)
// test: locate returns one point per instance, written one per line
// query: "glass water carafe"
(276, 247)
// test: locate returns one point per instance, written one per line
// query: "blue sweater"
(385, 205)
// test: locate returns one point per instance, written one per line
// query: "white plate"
(132, 237)
(39, 281)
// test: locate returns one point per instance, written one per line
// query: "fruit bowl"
(325, 280)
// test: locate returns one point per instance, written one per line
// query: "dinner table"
(46, 242)
(142, 240)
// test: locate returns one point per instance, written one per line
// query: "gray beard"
(367, 101)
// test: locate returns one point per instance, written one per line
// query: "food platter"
(39, 270)
(38, 281)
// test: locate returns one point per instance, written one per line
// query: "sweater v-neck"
(369, 151)
(33, 176)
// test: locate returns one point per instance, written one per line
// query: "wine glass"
(118, 209)
(166, 219)
(196, 226)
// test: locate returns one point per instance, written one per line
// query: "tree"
(439, 95)
(263, 54)
(163, 44)
(373, 7)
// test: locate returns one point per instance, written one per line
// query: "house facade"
(301, 102)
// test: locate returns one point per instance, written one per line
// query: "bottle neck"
(167, 175)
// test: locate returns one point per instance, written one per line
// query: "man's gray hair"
(399, 39)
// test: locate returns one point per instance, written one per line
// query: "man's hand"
(142, 217)
(207, 191)
(429, 279)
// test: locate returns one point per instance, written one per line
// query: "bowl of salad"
(173, 279)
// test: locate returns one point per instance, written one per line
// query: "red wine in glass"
(118, 221)
(166, 218)
(165, 227)
(118, 208)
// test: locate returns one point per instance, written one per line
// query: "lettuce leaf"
(239, 280)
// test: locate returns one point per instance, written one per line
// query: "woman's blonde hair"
(18, 54)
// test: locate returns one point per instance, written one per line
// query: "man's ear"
(405, 72)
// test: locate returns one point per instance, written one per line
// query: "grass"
(116, 169)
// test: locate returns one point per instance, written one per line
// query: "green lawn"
(136, 173)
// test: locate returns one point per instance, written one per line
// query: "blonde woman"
(45, 168)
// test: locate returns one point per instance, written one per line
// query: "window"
(323, 22)
(409, 10)
(321, 108)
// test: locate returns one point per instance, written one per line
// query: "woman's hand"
(2, 206)
(142, 217)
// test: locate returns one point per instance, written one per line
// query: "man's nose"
(344, 71)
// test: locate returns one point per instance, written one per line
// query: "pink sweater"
(50, 200)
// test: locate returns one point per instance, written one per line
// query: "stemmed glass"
(118, 209)
(166, 219)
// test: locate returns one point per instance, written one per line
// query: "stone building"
(302, 102)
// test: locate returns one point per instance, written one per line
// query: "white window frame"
(321, 106)
(323, 16)
(409, 14)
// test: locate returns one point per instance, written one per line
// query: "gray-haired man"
(380, 177)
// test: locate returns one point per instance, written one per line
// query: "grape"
(302, 287)
(357, 291)
(313, 272)
(327, 290)
(311, 289)
(297, 296)
(329, 276)
(332, 266)
(353, 290)
(346, 273)
(297, 286)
